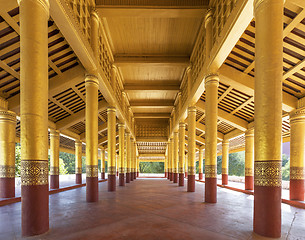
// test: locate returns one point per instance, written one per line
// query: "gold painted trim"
(7, 171)
(112, 170)
(211, 171)
(122, 170)
(268, 173)
(78, 170)
(224, 171)
(249, 172)
(181, 170)
(44, 3)
(191, 170)
(297, 173)
(212, 78)
(54, 170)
(34, 172)
(91, 171)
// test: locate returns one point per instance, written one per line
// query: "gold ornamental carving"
(127, 170)
(78, 170)
(268, 173)
(34, 172)
(7, 171)
(191, 170)
(54, 170)
(122, 170)
(249, 172)
(91, 171)
(175, 170)
(181, 170)
(112, 170)
(224, 171)
(102, 170)
(297, 173)
(211, 171)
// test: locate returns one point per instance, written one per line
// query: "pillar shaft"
(54, 159)
(131, 159)
(111, 123)
(186, 164)
(176, 157)
(7, 153)
(121, 154)
(297, 154)
(135, 161)
(181, 153)
(191, 149)
(249, 159)
(78, 162)
(171, 159)
(103, 163)
(165, 167)
(225, 162)
(200, 162)
(268, 116)
(128, 157)
(211, 88)
(34, 17)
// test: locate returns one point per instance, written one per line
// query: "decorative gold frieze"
(122, 170)
(34, 172)
(54, 170)
(181, 170)
(7, 171)
(211, 171)
(268, 173)
(297, 173)
(112, 170)
(127, 170)
(175, 170)
(191, 170)
(102, 170)
(224, 171)
(78, 170)
(91, 171)
(249, 172)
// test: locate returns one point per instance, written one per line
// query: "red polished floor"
(150, 209)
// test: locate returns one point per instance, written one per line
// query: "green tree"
(285, 167)
(17, 159)
(69, 161)
(151, 167)
(62, 167)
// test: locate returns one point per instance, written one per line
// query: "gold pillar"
(78, 162)
(165, 167)
(225, 162)
(111, 112)
(91, 83)
(297, 154)
(268, 116)
(211, 89)
(34, 17)
(186, 164)
(200, 162)
(249, 159)
(135, 160)
(171, 149)
(121, 154)
(54, 159)
(103, 163)
(131, 159)
(181, 152)
(7, 153)
(191, 149)
(128, 157)
(176, 157)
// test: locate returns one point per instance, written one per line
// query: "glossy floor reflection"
(150, 209)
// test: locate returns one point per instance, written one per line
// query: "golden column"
(225, 162)
(7, 153)
(200, 162)
(54, 159)
(268, 116)
(102, 163)
(249, 159)
(111, 113)
(211, 89)
(186, 164)
(181, 152)
(171, 149)
(121, 154)
(128, 156)
(138, 166)
(168, 161)
(135, 161)
(191, 149)
(297, 154)
(131, 159)
(176, 157)
(34, 17)
(165, 167)
(78, 162)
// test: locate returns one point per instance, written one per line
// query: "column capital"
(192, 109)
(95, 15)
(78, 142)
(111, 109)
(54, 133)
(182, 124)
(225, 142)
(44, 3)
(121, 125)
(7, 116)
(297, 115)
(91, 79)
(212, 78)
(208, 17)
(249, 132)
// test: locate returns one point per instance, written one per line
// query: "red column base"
(7, 187)
(171, 176)
(117, 173)
(35, 209)
(186, 174)
(200, 176)
(131, 176)
(168, 173)
(181, 179)
(111, 183)
(175, 177)
(267, 211)
(134, 175)
(191, 183)
(78, 178)
(138, 174)
(225, 179)
(127, 177)
(121, 179)
(249, 182)
(296, 191)
(165, 174)
(210, 190)
(102, 175)
(54, 181)
(92, 189)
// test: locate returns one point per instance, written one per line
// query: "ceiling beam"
(151, 103)
(233, 134)
(101, 128)
(226, 117)
(105, 139)
(245, 83)
(138, 61)
(151, 87)
(201, 127)
(151, 115)
(300, 3)
(78, 117)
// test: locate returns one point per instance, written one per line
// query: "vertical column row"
(225, 162)
(181, 153)
(54, 159)
(121, 154)
(200, 162)
(176, 157)
(111, 114)
(191, 149)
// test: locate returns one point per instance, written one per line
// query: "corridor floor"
(150, 209)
